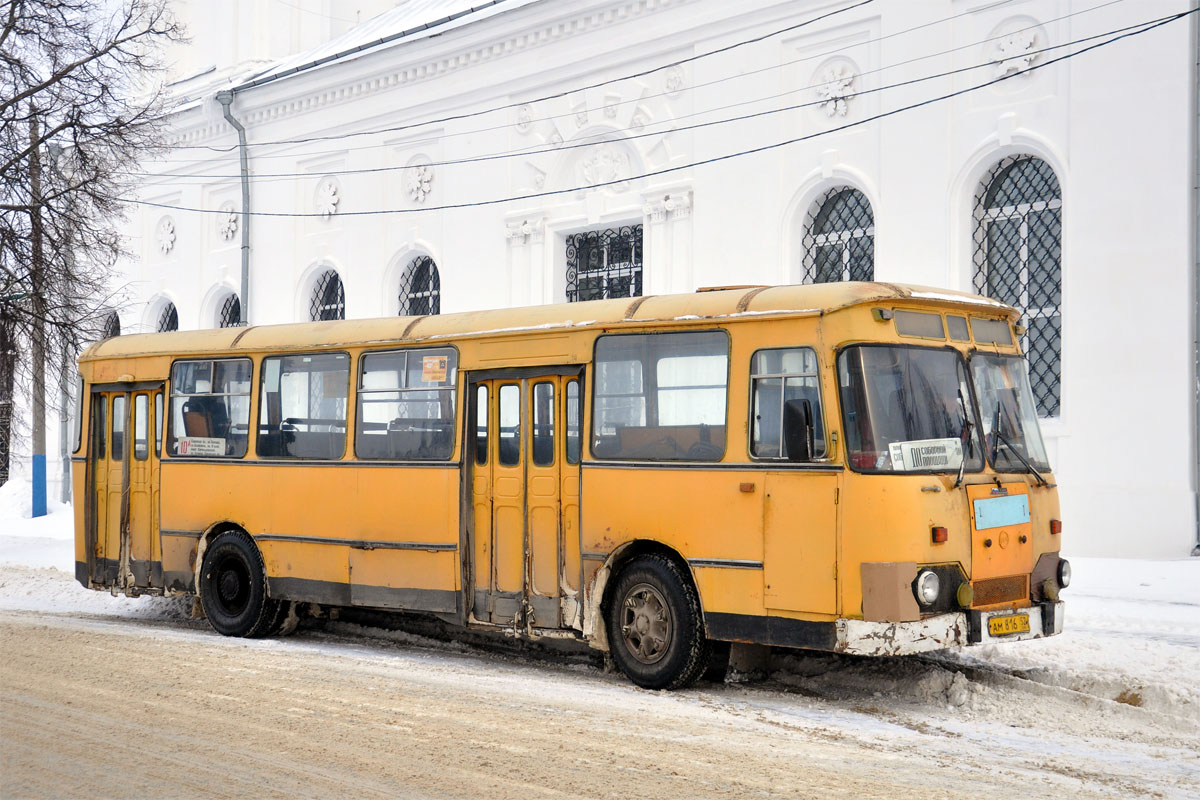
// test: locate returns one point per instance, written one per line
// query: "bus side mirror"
(798, 429)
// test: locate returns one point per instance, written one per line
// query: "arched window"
(231, 312)
(328, 298)
(168, 319)
(420, 288)
(112, 326)
(1018, 260)
(839, 239)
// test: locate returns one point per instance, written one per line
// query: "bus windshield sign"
(907, 409)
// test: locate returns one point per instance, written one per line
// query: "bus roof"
(799, 300)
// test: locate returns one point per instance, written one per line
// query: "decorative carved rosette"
(327, 197)
(419, 181)
(835, 87)
(227, 221)
(165, 235)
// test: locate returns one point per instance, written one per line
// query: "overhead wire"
(564, 115)
(443, 136)
(541, 149)
(555, 95)
(1121, 34)
(643, 98)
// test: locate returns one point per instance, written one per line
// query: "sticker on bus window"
(926, 454)
(433, 369)
(201, 446)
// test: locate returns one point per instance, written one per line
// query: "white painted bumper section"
(857, 637)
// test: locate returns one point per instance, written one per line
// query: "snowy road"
(108, 697)
(102, 703)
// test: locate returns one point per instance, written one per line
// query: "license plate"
(1011, 623)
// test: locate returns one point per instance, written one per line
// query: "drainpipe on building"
(226, 100)
(1195, 101)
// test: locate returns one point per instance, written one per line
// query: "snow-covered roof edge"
(411, 21)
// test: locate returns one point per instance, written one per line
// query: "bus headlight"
(1064, 573)
(928, 587)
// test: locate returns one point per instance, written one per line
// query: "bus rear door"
(525, 499)
(124, 467)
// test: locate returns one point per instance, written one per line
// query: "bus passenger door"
(110, 418)
(143, 483)
(525, 500)
(498, 501)
(552, 501)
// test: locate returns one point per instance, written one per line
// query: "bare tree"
(80, 106)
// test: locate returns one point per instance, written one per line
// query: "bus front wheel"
(655, 629)
(233, 587)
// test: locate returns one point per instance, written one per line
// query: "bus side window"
(660, 396)
(141, 427)
(79, 411)
(118, 428)
(510, 425)
(406, 405)
(158, 422)
(481, 425)
(574, 423)
(100, 425)
(777, 376)
(309, 393)
(210, 408)
(543, 424)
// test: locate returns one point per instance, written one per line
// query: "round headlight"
(1064, 573)
(928, 587)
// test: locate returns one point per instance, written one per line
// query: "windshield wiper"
(995, 435)
(1041, 481)
(966, 437)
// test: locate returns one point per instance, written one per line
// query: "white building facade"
(539, 151)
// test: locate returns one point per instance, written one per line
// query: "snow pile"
(1132, 633)
(37, 565)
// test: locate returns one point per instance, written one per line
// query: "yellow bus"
(849, 467)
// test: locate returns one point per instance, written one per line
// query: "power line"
(525, 152)
(552, 117)
(556, 95)
(643, 98)
(1144, 28)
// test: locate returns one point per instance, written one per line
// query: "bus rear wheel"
(233, 587)
(655, 630)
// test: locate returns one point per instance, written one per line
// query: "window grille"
(839, 238)
(1018, 260)
(328, 298)
(420, 288)
(604, 263)
(231, 312)
(168, 320)
(112, 326)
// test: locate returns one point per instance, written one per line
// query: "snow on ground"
(1129, 656)
(1132, 627)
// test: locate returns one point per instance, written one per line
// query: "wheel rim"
(646, 623)
(231, 579)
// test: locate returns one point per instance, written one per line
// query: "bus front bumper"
(856, 637)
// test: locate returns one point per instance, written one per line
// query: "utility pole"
(37, 280)
(8, 357)
(64, 378)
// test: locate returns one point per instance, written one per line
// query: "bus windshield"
(1008, 414)
(907, 409)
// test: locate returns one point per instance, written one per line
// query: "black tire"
(233, 587)
(655, 630)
